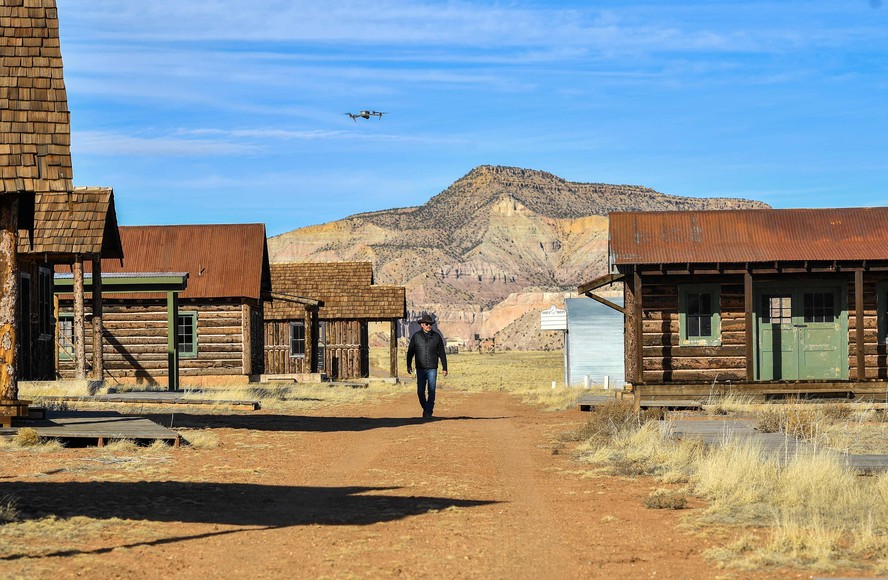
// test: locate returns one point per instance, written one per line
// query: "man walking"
(427, 346)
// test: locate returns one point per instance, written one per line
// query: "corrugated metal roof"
(739, 236)
(222, 260)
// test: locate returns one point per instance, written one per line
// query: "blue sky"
(233, 111)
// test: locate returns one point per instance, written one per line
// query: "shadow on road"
(241, 504)
(297, 422)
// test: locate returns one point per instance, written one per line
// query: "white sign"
(553, 319)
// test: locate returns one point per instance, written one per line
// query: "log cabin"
(35, 155)
(340, 336)
(765, 302)
(218, 337)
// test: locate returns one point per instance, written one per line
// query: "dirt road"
(372, 492)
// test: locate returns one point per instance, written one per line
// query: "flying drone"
(365, 115)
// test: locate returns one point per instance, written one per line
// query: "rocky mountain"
(490, 247)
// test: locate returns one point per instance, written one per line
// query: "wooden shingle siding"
(80, 222)
(346, 289)
(135, 341)
(35, 138)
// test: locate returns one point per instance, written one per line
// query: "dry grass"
(813, 511)
(527, 375)
(200, 438)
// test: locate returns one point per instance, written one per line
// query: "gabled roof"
(345, 288)
(741, 236)
(35, 140)
(81, 222)
(222, 261)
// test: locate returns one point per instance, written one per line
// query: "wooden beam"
(247, 338)
(97, 326)
(748, 306)
(858, 314)
(393, 349)
(606, 302)
(599, 282)
(79, 321)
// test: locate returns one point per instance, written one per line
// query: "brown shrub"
(664, 499)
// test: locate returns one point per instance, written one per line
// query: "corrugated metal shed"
(594, 342)
(222, 260)
(346, 289)
(35, 141)
(80, 222)
(739, 236)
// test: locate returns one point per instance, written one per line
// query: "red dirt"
(371, 492)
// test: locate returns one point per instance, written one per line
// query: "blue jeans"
(426, 377)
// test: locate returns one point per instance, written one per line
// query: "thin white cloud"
(116, 144)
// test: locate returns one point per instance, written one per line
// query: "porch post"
(748, 305)
(393, 349)
(639, 327)
(858, 325)
(79, 321)
(172, 342)
(98, 329)
(9, 289)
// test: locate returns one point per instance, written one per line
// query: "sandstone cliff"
(484, 252)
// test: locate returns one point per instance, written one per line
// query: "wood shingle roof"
(345, 288)
(35, 140)
(81, 222)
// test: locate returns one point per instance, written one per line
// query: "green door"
(801, 333)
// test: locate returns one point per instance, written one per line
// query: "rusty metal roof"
(346, 289)
(35, 140)
(222, 261)
(740, 236)
(83, 221)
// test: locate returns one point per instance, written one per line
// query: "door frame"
(767, 286)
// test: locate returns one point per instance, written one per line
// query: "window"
(699, 315)
(776, 309)
(186, 334)
(819, 306)
(297, 339)
(66, 337)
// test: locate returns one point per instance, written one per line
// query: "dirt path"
(372, 492)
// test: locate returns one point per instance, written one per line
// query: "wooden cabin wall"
(663, 359)
(875, 354)
(277, 359)
(135, 340)
(347, 354)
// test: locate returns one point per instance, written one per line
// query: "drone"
(365, 115)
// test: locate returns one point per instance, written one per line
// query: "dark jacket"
(427, 348)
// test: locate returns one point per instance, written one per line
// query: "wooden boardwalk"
(101, 426)
(152, 398)
(588, 402)
(718, 431)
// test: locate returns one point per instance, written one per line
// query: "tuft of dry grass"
(200, 438)
(8, 510)
(666, 499)
(26, 437)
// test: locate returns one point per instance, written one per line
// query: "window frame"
(714, 336)
(63, 354)
(293, 340)
(192, 353)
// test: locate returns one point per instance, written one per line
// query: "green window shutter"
(699, 314)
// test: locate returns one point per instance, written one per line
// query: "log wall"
(664, 360)
(135, 340)
(277, 349)
(347, 353)
(875, 354)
